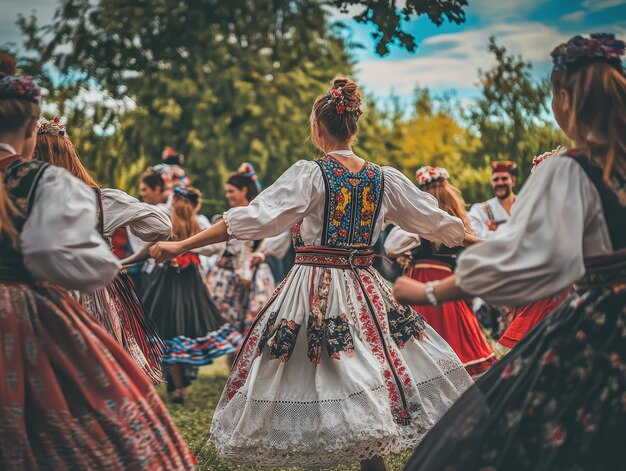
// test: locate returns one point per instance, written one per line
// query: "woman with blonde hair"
(70, 396)
(180, 305)
(426, 261)
(115, 306)
(556, 401)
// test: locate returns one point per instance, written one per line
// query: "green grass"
(194, 419)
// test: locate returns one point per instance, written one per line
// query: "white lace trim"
(318, 434)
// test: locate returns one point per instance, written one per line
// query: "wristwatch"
(430, 292)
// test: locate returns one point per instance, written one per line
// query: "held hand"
(162, 251)
(491, 225)
(257, 259)
(408, 291)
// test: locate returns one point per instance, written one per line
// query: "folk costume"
(180, 306)
(425, 261)
(333, 370)
(70, 397)
(556, 401)
(239, 290)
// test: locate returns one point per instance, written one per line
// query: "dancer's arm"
(162, 251)
(408, 291)
(59, 241)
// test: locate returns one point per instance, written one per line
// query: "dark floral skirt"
(557, 401)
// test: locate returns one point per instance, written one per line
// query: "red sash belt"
(321, 256)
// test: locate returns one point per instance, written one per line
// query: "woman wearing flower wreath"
(333, 370)
(240, 282)
(116, 306)
(70, 396)
(454, 321)
(557, 401)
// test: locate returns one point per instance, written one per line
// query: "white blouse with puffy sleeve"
(556, 223)
(145, 221)
(298, 195)
(59, 240)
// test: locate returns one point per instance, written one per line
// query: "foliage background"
(226, 82)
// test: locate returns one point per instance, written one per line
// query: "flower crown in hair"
(599, 46)
(20, 87)
(190, 196)
(247, 170)
(342, 104)
(52, 128)
(546, 155)
(428, 175)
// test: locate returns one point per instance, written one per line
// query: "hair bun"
(349, 88)
(7, 64)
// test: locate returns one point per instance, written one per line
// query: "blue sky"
(448, 57)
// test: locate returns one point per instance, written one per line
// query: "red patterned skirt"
(70, 397)
(455, 322)
(527, 317)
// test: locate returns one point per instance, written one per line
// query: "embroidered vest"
(20, 182)
(613, 200)
(353, 203)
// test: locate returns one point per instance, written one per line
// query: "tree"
(387, 18)
(221, 83)
(511, 116)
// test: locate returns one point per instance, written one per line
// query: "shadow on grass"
(194, 419)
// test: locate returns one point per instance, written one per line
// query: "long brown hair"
(184, 210)
(59, 151)
(597, 93)
(450, 200)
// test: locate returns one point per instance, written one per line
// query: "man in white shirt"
(487, 216)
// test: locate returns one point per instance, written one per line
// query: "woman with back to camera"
(180, 305)
(115, 306)
(556, 401)
(333, 370)
(454, 321)
(70, 397)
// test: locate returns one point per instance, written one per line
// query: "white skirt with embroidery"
(334, 371)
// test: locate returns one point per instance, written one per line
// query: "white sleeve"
(59, 241)
(280, 206)
(143, 220)
(539, 251)
(478, 221)
(418, 212)
(399, 241)
(277, 246)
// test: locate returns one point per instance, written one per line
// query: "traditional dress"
(180, 306)
(238, 290)
(481, 213)
(525, 318)
(454, 321)
(556, 401)
(70, 397)
(117, 306)
(333, 370)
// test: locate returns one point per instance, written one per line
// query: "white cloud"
(452, 60)
(494, 10)
(598, 5)
(574, 17)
